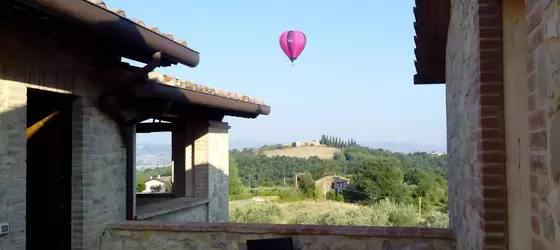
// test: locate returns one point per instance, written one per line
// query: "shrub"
(332, 195)
(268, 192)
(256, 213)
(291, 194)
(383, 213)
(436, 219)
(245, 196)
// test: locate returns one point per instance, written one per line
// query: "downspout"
(108, 103)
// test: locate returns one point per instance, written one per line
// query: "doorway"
(49, 169)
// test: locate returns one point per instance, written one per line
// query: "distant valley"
(157, 155)
(152, 155)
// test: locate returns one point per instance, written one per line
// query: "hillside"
(303, 152)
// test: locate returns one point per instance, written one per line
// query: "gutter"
(154, 88)
(121, 29)
(180, 95)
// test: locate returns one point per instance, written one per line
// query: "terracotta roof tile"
(168, 80)
(121, 13)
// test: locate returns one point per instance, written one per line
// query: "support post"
(130, 139)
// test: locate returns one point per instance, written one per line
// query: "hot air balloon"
(292, 43)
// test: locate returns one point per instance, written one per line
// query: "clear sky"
(353, 80)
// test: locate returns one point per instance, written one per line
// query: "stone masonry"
(74, 66)
(12, 162)
(218, 159)
(475, 125)
(543, 69)
(140, 236)
(204, 193)
(98, 172)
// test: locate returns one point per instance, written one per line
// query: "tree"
(429, 186)
(323, 140)
(412, 176)
(305, 183)
(339, 156)
(323, 169)
(235, 183)
(381, 177)
(169, 187)
(140, 187)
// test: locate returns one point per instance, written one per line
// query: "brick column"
(208, 146)
(179, 165)
(201, 158)
(13, 168)
(182, 141)
(98, 174)
(79, 146)
(491, 131)
(190, 175)
(218, 159)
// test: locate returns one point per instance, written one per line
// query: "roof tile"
(171, 81)
(121, 13)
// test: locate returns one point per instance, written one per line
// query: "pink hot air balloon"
(292, 43)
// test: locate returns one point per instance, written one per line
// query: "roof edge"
(128, 33)
(431, 26)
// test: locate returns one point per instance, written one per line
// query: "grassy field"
(303, 152)
(291, 210)
(384, 213)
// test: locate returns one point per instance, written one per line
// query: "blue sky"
(353, 80)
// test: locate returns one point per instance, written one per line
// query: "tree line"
(374, 174)
(336, 142)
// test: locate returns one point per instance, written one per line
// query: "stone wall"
(139, 236)
(543, 67)
(462, 124)
(475, 125)
(33, 57)
(12, 162)
(177, 210)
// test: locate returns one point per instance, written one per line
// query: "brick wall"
(37, 58)
(475, 125)
(543, 48)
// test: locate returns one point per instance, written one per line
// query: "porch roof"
(130, 37)
(188, 92)
(431, 25)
